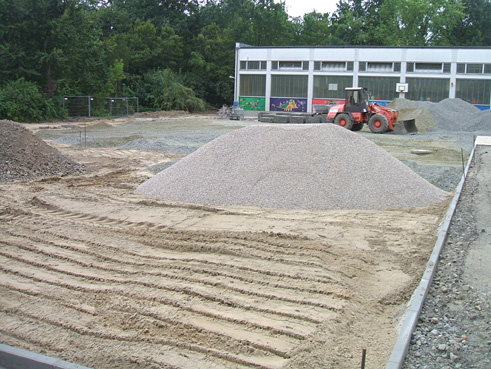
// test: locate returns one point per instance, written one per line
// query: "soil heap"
(24, 156)
(293, 167)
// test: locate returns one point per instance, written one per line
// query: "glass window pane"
(381, 88)
(306, 65)
(253, 65)
(331, 87)
(428, 67)
(289, 86)
(317, 65)
(363, 66)
(243, 64)
(379, 67)
(461, 68)
(290, 65)
(446, 68)
(252, 85)
(473, 91)
(350, 66)
(397, 67)
(428, 89)
(274, 65)
(410, 67)
(334, 66)
(474, 68)
(263, 65)
(487, 68)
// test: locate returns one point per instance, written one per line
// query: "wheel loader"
(356, 111)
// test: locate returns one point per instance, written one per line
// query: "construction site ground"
(93, 273)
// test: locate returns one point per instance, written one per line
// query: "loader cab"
(356, 100)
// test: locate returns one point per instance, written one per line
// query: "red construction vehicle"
(357, 110)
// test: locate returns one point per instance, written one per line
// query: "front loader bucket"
(405, 126)
(410, 125)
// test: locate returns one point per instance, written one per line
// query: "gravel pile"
(24, 156)
(293, 167)
(447, 115)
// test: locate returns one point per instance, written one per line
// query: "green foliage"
(165, 92)
(21, 101)
(90, 47)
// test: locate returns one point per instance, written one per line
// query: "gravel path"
(454, 329)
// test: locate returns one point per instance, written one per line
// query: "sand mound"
(446, 115)
(24, 156)
(293, 167)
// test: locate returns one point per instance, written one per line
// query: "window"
(381, 88)
(290, 65)
(253, 65)
(473, 91)
(289, 86)
(429, 89)
(473, 68)
(331, 87)
(428, 67)
(330, 66)
(252, 85)
(379, 67)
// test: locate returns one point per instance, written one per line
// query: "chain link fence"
(93, 106)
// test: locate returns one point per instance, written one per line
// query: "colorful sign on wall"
(253, 103)
(288, 104)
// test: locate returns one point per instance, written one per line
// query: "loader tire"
(344, 120)
(378, 123)
(357, 127)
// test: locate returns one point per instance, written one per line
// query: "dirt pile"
(24, 156)
(293, 167)
(446, 115)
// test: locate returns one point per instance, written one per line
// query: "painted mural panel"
(253, 103)
(288, 104)
(326, 101)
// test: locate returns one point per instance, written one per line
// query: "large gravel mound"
(293, 167)
(446, 115)
(24, 156)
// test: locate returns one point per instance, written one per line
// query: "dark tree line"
(179, 54)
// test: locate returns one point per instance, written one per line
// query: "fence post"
(88, 99)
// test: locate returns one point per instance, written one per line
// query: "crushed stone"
(293, 167)
(453, 115)
(24, 156)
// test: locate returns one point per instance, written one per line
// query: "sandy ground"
(93, 273)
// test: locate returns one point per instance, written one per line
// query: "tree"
(164, 91)
(475, 29)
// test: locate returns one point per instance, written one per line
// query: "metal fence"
(93, 106)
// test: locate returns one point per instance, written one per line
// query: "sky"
(297, 8)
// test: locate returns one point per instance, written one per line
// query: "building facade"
(297, 78)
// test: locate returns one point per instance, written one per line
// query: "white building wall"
(356, 55)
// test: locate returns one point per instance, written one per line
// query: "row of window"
(347, 66)
(381, 88)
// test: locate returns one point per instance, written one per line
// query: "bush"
(165, 92)
(22, 101)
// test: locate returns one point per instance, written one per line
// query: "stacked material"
(446, 115)
(24, 156)
(293, 167)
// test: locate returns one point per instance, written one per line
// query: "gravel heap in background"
(24, 156)
(447, 115)
(293, 167)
